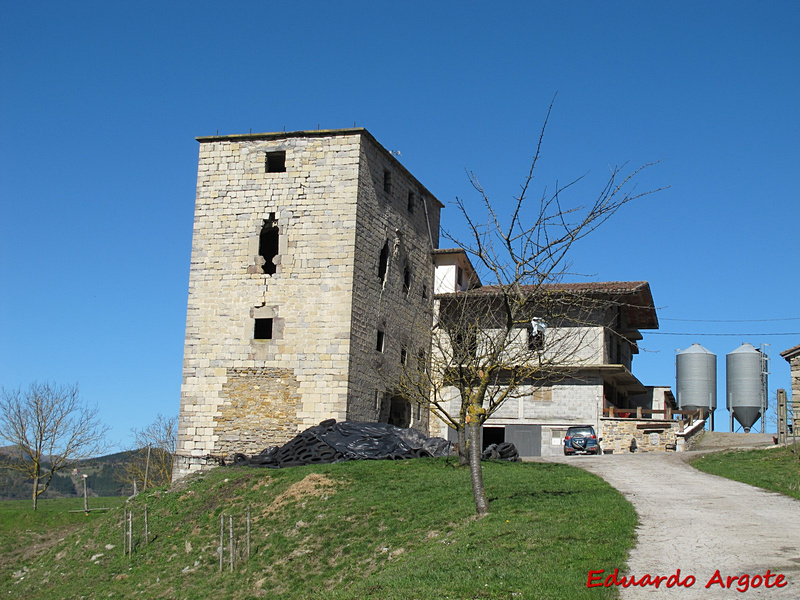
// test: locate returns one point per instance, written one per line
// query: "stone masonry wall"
(308, 297)
(240, 394)
(794, 365)
(618, 433)
(259, 408)
(403, 215)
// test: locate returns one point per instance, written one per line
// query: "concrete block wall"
(240, 394)
(554, 407)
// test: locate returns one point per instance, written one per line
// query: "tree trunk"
(463, 447)
(35, 490)
(475, 467)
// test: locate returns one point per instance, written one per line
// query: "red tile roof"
(635, 296)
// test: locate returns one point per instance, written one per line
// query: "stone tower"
(311, 283)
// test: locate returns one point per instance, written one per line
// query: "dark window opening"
(465, 346)
(424, 292)
(400, 412)
(268, 244)
(411, 202)
(387, 182)
(380, 341)
(422, 363)
(459, 275)
(493, 435)
(403, 356)
(276, 162)
(406, 280)
(535, 337)
(383, 262)
(262, 329)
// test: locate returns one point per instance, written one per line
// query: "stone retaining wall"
(651, 435)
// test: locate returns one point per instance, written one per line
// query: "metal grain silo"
(746, 384)
(696, 380)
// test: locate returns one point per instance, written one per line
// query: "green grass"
(776, 469)
(27, 534)
(367, 529)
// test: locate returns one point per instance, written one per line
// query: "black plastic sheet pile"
(331, 442)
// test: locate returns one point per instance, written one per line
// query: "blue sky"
(100, 103)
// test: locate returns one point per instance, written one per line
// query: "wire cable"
(795, 333)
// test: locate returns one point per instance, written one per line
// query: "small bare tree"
(51, 429)
(526, 328)
(154, 449)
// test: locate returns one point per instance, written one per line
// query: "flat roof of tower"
(285, 134)
(312, 133)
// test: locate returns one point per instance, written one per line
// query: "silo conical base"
(746, 415)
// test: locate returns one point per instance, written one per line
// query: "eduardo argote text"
(740, 583)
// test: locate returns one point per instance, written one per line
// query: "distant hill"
(105, 477)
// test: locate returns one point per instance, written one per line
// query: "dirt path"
(702, 523)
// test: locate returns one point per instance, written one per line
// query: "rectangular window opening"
(406, 280)
(387, 182)
(380, 341)
(411, 202)
(403, 356)
(424, 292)
(493, 435)
(276, 162)
(262, 329)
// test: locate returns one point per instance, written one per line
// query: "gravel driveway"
(702, 523)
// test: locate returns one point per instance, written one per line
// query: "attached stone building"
(311, 257)
(792, 356)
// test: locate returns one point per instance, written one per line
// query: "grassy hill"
(368, 529)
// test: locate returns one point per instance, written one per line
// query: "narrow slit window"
(262, 329)
(411, 201)
(424, 292)
(403, 356)
(387, 182)
(276, 162)
(383, 262)
(381, 340)
(268, 244)
(406, 280)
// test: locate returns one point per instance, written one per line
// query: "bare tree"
(526, 328)
(154, 450)
(51, 428)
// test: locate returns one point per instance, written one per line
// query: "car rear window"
(580, 431)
